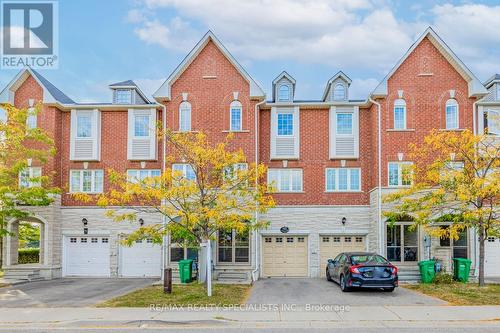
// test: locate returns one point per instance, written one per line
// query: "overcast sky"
(102, 42)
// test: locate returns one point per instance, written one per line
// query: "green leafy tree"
(18, 144)
(221, 192)
(456, 178)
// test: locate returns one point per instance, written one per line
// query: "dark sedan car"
(362, 269)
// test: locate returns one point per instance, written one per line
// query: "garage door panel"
(332, 245)
(284, 256)
(492, 257)
(87, 256)
(142, 259)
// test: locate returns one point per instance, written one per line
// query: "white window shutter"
(344, 146)
(141, 148)
(85, 149)
(285, 147)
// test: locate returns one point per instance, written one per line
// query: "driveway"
(68, 292)
(320, 291)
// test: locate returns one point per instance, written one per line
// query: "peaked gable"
(165, 89)
(476, 88)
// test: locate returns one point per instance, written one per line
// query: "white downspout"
(476, 240)
(256, 153)
(379, 190)
(163, 165)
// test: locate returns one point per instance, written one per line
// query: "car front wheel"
(343, 285)
(328, 277)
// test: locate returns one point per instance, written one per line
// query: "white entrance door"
(492, 257)
(331, 245)
(86, 256)
(143, 259)
(284, 256)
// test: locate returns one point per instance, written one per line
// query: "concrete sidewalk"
(274, 315)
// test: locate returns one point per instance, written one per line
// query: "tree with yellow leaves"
(21, 145)
(456, 178)
(219, 191)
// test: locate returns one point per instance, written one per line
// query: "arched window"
(284, 93)
(235, 116)
(399, 114)
(339, 92)
(451, 114)
(185, 117)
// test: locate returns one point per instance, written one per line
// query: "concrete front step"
(27, 273)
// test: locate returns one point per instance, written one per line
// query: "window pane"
(87, 181)
(98, 180)
(84, 126)
(190, 175)
(176, 254)
(141, 125)
(393, 174)
(284, 93)
(3, 115)
(185, 117)
(330, 180)
(399, 117)
(354, 179)
(75, 181)
(406, 174)
(132, 176)
(24, 178)
(242, 248)
(123, 96)
(236, 119)
(31, 119)
(342, 179)
(296, 180)
(192, 253)
(344, 123)
(451, 117)
(284, 180)
(285, 124)
(225, 246)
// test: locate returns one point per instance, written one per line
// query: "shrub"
(443, 278)
(28, 256)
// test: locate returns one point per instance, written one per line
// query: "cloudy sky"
(102, 42)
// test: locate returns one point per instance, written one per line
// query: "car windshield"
(368, 259)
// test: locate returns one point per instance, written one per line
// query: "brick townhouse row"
(332, 159)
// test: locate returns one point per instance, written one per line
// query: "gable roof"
(339, 74)
(51, 93)
(282, 75)
(130, 84)
(491, 80)
(164, 91)
(476, 88)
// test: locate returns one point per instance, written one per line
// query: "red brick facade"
(211, 80)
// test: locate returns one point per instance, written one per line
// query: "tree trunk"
(482, 238)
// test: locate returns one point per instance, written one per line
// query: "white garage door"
(87, 256)
(284, 256)
(331, 245)
(143, 259)
(492, 257)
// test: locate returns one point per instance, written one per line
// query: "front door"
(402, 243)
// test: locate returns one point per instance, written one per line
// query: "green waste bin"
(461, 269)
(427, 271)
(185, 270)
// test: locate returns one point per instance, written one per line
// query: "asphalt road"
(70, 292)
(321, 291)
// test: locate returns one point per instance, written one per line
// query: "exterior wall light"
(344, 220)
(141, 222)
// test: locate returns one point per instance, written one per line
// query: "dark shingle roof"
(126, 83)
(53, 90)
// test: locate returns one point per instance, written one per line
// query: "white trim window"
(344, 123)
(141, 144)
(29, 177)
(452, 114)
(400, 114)
(492, 122)
(344, 132)
(339, 92)
(185, 117)
(86, 181)
(343, 179)
(285, 124)
(85, 135)
(400, 174)
(285, 133)
(232, 247)
(123, 96)
(235, 116)
(139, 175)
(284, 93)
(31, 119)
(186, 170)
(285, 180)
(230, 172)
